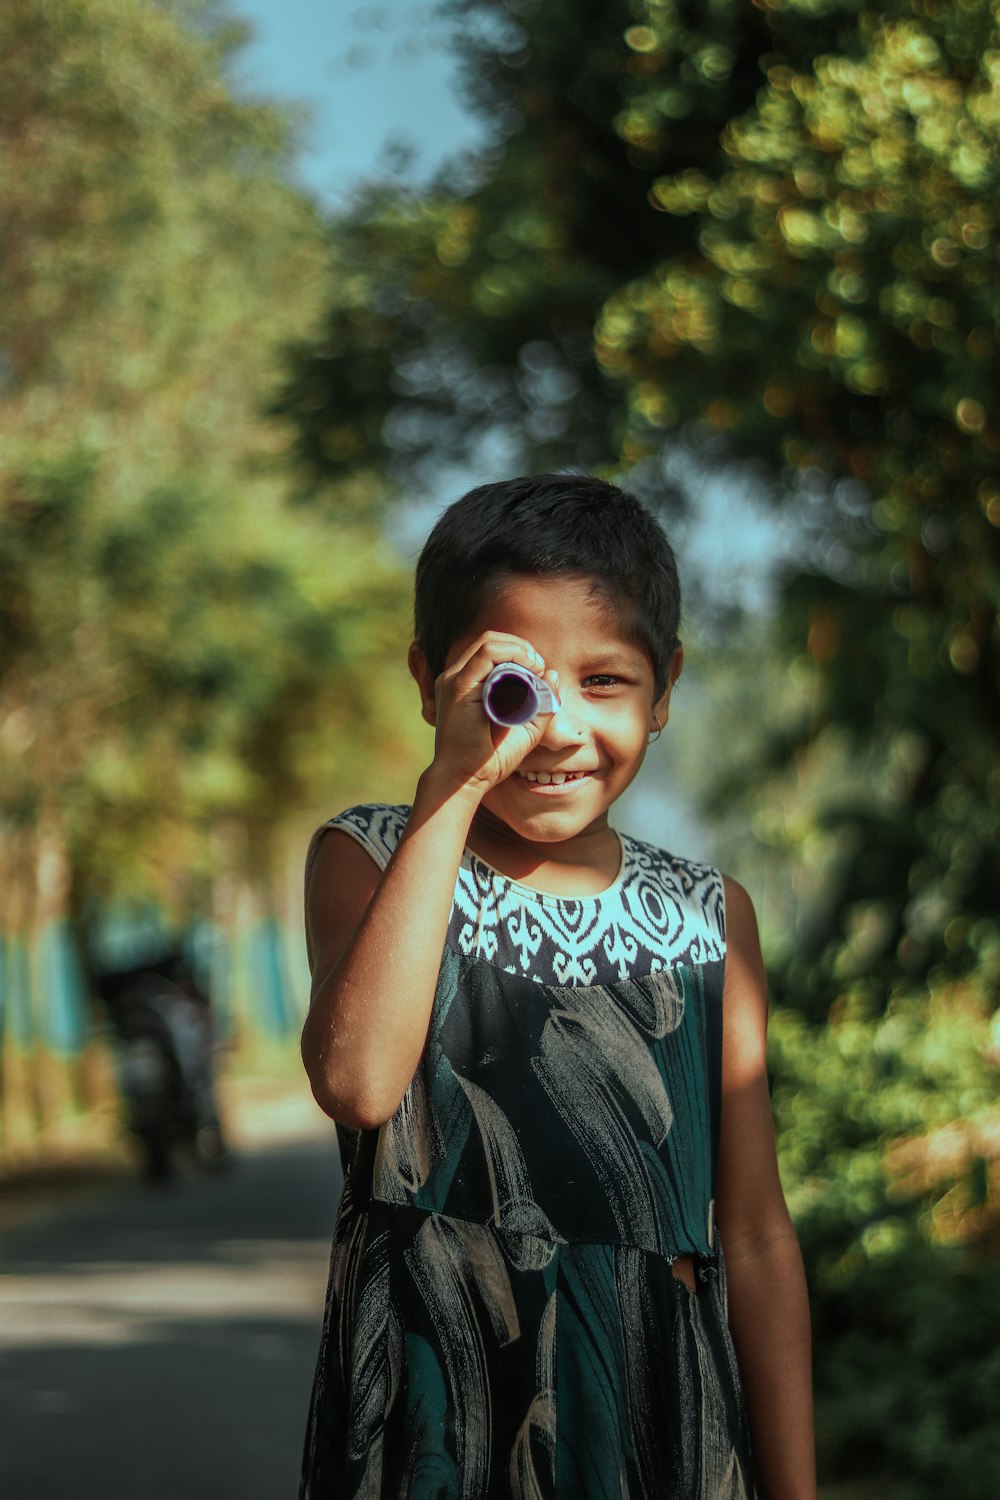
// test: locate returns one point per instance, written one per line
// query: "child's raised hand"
(471, 753)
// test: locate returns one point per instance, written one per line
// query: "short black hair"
(549, 525)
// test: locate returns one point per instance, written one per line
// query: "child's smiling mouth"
(552, 778)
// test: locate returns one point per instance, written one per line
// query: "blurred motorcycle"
(164, 1055)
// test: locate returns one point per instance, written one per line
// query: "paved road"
(159, 1344)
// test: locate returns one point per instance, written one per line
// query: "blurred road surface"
(160, 1344)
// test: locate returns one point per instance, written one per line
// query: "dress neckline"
(470, 859)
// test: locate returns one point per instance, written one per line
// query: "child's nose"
(562, 729)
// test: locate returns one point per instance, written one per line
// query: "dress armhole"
(375, 826)
(375, 829)
(337, 825)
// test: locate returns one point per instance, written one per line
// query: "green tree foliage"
(888, 1125)
(766, 235)
(181, 648)
(467, 306)
(839, 319)
(767, 232)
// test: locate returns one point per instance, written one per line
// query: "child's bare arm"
(768, 1307)
(377, 941)
(377, 938)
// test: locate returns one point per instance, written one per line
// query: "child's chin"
(550, 820)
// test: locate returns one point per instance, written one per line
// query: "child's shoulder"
(376, 826)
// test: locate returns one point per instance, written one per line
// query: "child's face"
(596, 743)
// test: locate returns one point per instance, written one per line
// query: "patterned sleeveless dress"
(503, 1321)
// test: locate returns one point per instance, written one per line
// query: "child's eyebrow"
(619, 660)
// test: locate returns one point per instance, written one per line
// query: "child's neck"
(581, 866)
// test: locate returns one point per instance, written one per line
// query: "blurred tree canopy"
(839, 321)
(466, 307)
(759, 233)
(703, 236)
(763, 239)
(186, 656)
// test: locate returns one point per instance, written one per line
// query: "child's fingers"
(489, 651)
(466, 737)
(495, 648)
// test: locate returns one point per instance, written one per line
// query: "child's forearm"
(379, 942)
(369, 1012)
(769, 1319)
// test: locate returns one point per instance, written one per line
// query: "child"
(548, 1129)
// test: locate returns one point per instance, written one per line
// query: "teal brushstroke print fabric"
(503, 1321)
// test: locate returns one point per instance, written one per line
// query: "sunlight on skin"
(554, 834)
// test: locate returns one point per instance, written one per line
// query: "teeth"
(551, 778)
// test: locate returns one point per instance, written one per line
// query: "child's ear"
(424, 678)
(661, 708)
